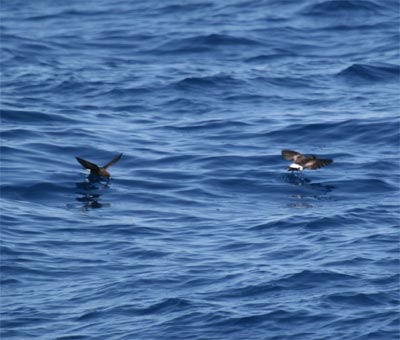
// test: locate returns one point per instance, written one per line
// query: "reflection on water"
(90, 193)
(295, 178)
(310, 191)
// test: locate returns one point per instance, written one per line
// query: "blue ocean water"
(201, 233)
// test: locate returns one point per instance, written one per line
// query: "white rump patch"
(296, 167)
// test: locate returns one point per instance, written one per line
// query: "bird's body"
(301, 162)
(98, 170)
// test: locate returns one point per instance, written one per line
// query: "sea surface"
(201, 233)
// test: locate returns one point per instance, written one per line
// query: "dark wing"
(115, 160)
(87, 165)
(317, 163)
(289, 154)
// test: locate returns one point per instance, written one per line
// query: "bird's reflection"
(307, 192)
(89, 192)
(296, 178)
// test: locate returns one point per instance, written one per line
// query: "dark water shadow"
(309, 191)
(90, 192)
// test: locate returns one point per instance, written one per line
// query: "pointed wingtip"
(86, 164)
(288, 154)
(115, 160)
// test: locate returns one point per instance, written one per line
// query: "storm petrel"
(302, 162)
(98, 170)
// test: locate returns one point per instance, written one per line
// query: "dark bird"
(302, 162)
(98, 170)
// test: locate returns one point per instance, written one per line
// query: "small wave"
(45, 191)
(359, 186)
(286, 82)
(143, 253)
(166, 306)
(280, 224)
(20, 134)
(33, 117)
(360, 299)
(294, 222)
(209, 125)
(371, 73)
(183, 8)
(118, 92)
(205, 43)
(219, 81)
(333, 7)
(125, 230)
(277, 53)
(311, 278)
(31, 46)
(358, 130)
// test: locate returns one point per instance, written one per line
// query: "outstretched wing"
(87, 165)
(115, 160)
(289, 154)
(317, 163)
